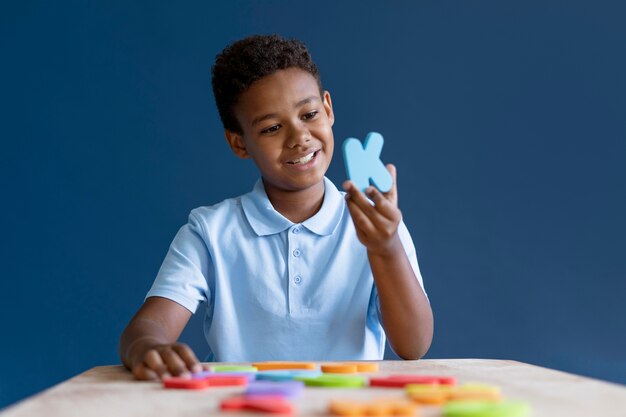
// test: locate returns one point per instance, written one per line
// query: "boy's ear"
(328, 107)
(235, 140)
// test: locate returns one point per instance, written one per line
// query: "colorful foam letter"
(233, 368)
(402, 380)
(284, 374)
(283, 389)
(439, 394)
(267, 404)
(269, 366)
(204, 382)
(378, 407)
(363, 163)
(486, 409)
(333, 381)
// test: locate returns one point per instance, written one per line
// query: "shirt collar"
(265, 220)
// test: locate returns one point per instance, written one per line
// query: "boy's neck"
(297, 206)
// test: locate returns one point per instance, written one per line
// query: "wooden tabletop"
(111, 391)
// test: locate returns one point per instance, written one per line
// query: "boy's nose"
(299, 136)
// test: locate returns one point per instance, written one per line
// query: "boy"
(286, 271)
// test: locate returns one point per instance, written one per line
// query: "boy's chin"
(296, 185)
(304, 185)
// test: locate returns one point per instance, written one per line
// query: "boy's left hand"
(376, 225)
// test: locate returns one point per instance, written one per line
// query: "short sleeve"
(182, 277)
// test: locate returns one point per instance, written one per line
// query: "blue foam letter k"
(363, 162)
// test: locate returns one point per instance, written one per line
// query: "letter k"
(363, 162)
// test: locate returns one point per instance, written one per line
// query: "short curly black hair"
(242, 63)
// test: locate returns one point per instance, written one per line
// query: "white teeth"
(304, 159)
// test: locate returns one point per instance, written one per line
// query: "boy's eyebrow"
(271, 115)
(306, 101)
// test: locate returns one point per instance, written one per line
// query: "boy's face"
(287, 130)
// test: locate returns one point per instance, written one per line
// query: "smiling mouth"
(304, 159)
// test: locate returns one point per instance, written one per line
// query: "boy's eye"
(310, 115)
(271, 129)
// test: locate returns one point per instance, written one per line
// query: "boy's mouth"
(306, 158)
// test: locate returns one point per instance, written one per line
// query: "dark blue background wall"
(507, 124)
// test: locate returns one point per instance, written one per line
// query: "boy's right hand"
(148, 346)
(163, 361)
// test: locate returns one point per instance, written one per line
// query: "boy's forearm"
(406, 312)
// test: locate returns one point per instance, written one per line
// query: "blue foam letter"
(363, 162)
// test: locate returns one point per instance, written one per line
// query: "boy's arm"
(148, 344)
(406, 314)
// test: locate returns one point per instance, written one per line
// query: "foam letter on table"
(363, 162)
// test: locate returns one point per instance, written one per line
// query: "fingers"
(164, 361)
(152, 361)
(189, 358)
(175, 364)
(383, 204)
(392, 194)
(356, 196)
(383, 210)
(378, 228)
(142, 372)
(376, 225)
(363, 225)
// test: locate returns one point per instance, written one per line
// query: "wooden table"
(111, 391)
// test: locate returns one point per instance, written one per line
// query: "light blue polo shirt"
(273, 289)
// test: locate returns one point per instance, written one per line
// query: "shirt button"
(296, 230)
(296, 253)
(297, 279)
